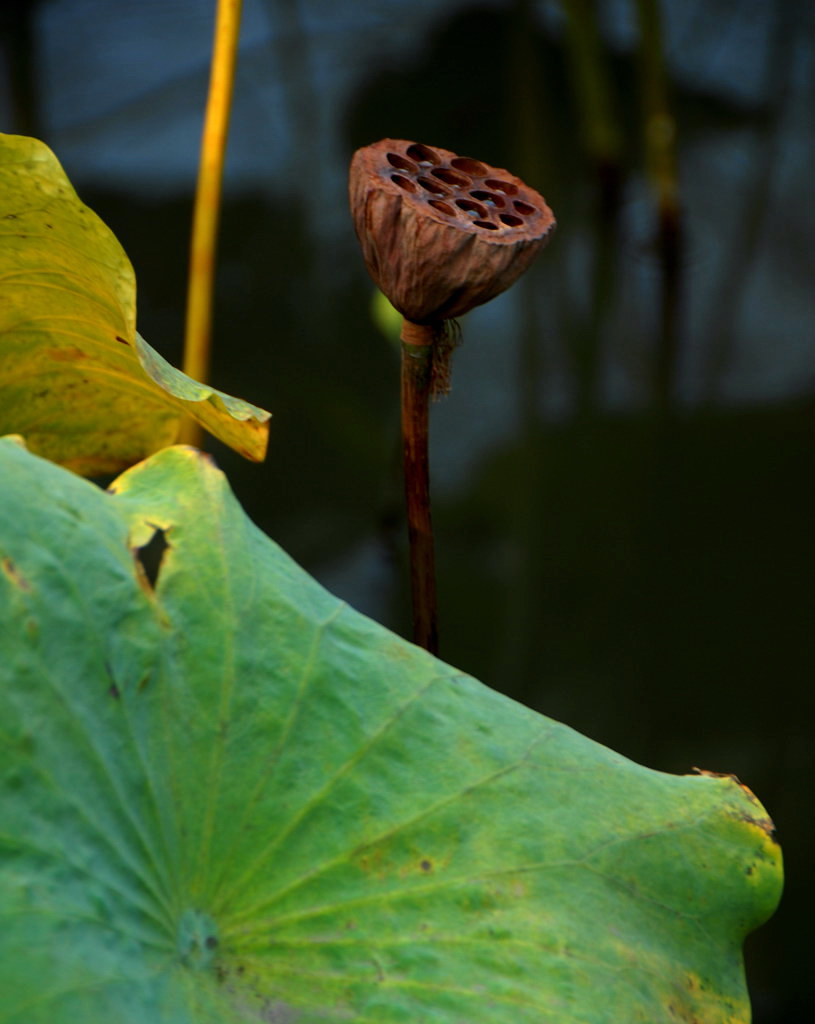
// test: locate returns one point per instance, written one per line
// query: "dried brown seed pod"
(442, 233)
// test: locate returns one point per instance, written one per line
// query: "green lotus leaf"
(226, 796)
(75, 379)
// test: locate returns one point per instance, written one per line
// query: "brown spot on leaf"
(426, 865)
(716, 775)
(14, 574)
(371, 862)
(763, 823)
(67, 355)
(122, 341)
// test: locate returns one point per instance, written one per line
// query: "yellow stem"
(208, 201)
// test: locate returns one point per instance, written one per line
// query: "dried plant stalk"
(440, 234)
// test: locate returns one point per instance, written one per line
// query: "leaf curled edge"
(75, 378)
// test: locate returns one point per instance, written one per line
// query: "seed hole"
(403, 182)
(486, 224)
(401, 163)
(523, 208)
(451, 177)
(464, 163)
(470, 206)
(490, 198)
(423, 154)
(442, 207)
(509, 220)
(435, 187)
(502, 186)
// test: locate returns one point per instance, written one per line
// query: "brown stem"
(417, 367)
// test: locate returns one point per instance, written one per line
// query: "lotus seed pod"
(442, 233)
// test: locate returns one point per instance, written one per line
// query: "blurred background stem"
(198, 331)
(593, 95)
(661, 169)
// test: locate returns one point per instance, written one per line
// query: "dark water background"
(623, 473)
